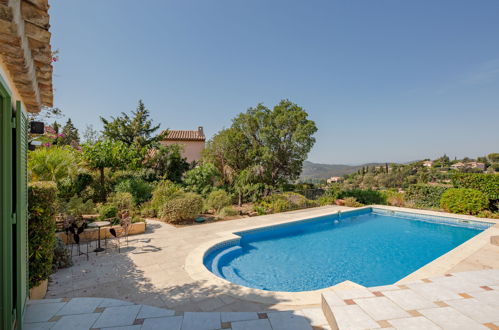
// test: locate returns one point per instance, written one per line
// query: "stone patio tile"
(252, 325)
(332, 299)
(158, 323)
(117, 316)
(408, 299)
(76, 322)
(201, 321)
(107, 302)
(288, 320)
(42, 312)
(128, 327)
(383, 288)
(354, 293)
(315, 316)
(238, 316)
(488, 297)
(38, 326)
(381, 308)
(150, 311)
(80, 306)
(414, 323)
(457, 284)
(210, 304)
(449, 318)
(353, 317)
(476, 310)
(433, 291)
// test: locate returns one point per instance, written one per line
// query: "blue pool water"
(370, 247)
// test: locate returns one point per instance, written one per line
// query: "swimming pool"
(370, 247)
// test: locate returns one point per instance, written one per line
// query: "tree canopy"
(137, 129)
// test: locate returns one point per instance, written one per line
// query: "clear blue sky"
(383, 80)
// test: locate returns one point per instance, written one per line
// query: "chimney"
(200, 130)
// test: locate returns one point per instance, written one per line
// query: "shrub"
(486, 183)
(202, 179)
(217, 200)
(108, 211)
(394, 198)
(68, 187)
(365, 196)
(351, 202)
(77, 207)
(464, 200)
(228, 211)
(62, 257)
(425, 195)
(488, 214)
(326, 200)
(41, 230)
(52, 164)
(164, 192)
(123, 201)
(284, 202)
(140, 190)
(186, 207)
(147, 210)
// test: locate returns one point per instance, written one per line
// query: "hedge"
(367, 197)
(186, 207)
(41, 230)
(464, 200)
(486, 183)
(425, 195)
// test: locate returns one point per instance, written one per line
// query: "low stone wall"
(92, 234)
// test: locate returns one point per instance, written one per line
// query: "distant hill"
(314, 171)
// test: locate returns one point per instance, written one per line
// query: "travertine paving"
(113, 314)
(465, 300)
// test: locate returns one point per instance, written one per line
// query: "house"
(478, 165)
(334, 179)
(25, 86)
(457, 166)
(192, 142)
(428, 163)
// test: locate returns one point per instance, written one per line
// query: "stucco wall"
(190, 149)
(10, 83)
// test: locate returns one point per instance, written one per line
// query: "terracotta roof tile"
(185, 135)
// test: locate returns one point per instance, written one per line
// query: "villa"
(192, 142)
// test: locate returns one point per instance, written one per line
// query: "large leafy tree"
(137, 129)
(167, 162)
(108, 154)
(272, 143)
(70, 135)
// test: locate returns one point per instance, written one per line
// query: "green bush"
(394, 198)
(77, 207)
(486, 183)
(62, 257)
(326, 200)
(366, 197)
(352, 202)
(41, 230)
(425, 195)
(228, 211)
(123, 201)
(140, 190)
(186, 207)
(283, 202)
(464, 200)
(217, 200)
(164, 192)
(68, 187)
(202, 179)
(108, 211)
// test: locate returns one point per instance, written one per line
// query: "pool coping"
(197, 271)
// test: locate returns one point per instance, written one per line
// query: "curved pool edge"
(196, 269)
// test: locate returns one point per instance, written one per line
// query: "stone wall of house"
(192, 150)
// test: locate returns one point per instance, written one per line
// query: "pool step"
(466, 300)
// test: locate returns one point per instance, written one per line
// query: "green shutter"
(21, 211)
(6, 210)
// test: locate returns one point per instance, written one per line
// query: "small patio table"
(99, 224)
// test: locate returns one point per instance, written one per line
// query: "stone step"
(467, 300)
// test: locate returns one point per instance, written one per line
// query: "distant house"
(476, 165)
(458, 166)
(428, 163)
(334, 179)
(192, 142)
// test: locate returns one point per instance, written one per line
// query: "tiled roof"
(184, 135)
